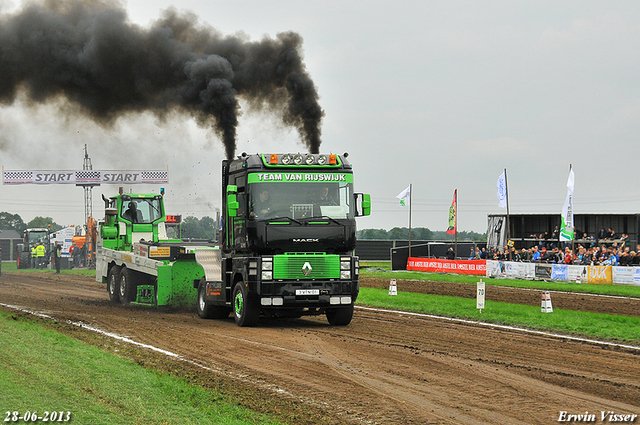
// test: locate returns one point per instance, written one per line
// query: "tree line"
(205, 228)
(10, 221)
(192, 227)
(418, 234)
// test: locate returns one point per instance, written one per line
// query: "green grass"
(591, 325)
(10, 266)
(42, 370)
(619, 290)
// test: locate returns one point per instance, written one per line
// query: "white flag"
(502, 190)
(404, 196)
(566, 231)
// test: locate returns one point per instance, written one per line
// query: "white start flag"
(404, 196)
(566, 232)
(502, 190)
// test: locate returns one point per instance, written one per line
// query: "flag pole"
(573, 240)
(456, 223)
(410, 205)
(506, 189)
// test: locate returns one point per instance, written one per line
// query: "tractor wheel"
(24, 260)
(208, 311)
(246, 310)
(128, 286)
(340, 316)
(113, 284)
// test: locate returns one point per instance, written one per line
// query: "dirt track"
(383, 368)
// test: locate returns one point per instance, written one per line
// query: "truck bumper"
(316, 294)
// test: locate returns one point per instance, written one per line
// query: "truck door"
(239, 223)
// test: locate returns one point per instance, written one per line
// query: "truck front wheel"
(113, 280)
(245, 310)
(340, 316)
(207, 311)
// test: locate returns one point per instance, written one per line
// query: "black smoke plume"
(89, 53)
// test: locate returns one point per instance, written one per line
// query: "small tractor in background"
(31, 237)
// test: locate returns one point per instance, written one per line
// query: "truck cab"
(132, 217)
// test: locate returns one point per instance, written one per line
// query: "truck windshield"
(301, 200)
(37, 237)
(141, 210)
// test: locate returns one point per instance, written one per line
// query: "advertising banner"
(562, 272)
(577, 274)
(437, 265)
(624, 275)
(559, 272)
(520, 270)
(543, 271)
(599, 275)
(494, 268)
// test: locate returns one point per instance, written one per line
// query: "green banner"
(300, 178)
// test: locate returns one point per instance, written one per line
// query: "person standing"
(40, 253)
(451, 255)
(34, 256)
(57, 250)
(83, 256)
(75, 254)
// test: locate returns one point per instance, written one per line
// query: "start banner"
(86, 177)
(473, 267)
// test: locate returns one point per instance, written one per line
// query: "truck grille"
(292, 266)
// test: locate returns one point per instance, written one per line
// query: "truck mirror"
(232, 200)
(366, 204)
(363, 204)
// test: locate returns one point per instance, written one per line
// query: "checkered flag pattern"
(87, 177)
(17, 177)
(155, 176)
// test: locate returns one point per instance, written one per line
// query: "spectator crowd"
(606, 249)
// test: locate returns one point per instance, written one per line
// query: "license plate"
(307, 292)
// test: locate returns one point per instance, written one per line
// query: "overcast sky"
(443, 95)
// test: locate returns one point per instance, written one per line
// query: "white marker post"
(480, 295)
(393, 288)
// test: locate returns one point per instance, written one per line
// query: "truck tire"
(24, 260)
(128, 286)
(207, 311)
(113, 284)
(245, 310)
(340, 316)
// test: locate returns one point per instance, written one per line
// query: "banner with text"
(437, 265)
(86, 177)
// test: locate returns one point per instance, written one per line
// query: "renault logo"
(306, 269)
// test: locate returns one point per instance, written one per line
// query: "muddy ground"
(383, 368)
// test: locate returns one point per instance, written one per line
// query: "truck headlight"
(345, 274)
(345, 263)
(267, 269)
